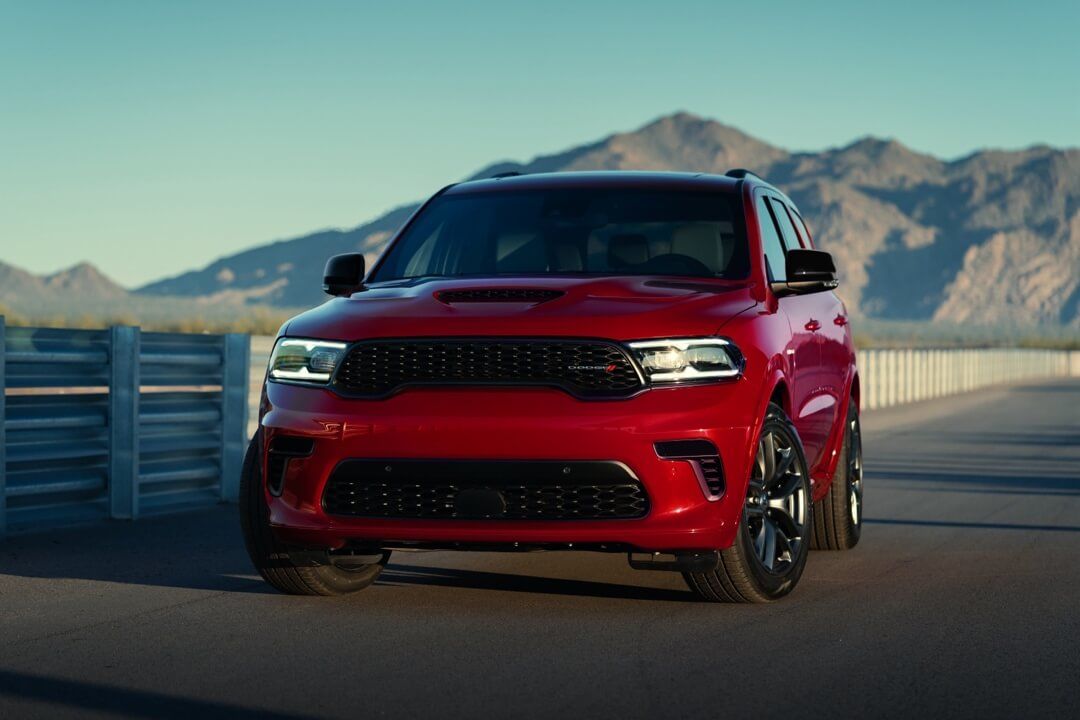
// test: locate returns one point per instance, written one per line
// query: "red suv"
(646, 363)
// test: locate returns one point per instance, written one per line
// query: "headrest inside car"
(703, 242)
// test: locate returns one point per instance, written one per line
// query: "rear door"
(814, 400)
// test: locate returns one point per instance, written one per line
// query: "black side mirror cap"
(344, 274)
(808, 271)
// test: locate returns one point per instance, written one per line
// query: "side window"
(770, 241)
(783, 221)
(808, 239)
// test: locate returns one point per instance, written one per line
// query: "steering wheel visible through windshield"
(601, 231)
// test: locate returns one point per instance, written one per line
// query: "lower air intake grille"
(587, 368)
(500, 490)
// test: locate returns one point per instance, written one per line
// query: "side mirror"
(808, 271)
(344, 274)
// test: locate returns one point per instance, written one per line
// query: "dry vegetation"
(255, 321)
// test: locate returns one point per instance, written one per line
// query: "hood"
(616, 308)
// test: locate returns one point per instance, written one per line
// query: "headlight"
(682, 360)
(312, 361)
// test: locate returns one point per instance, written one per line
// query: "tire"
(757, 569)
(838, 516)
(272, 559)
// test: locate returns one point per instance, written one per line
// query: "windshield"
(573, 231)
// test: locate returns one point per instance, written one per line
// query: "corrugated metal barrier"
(116, 423)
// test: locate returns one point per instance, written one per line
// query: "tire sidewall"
(267, 552)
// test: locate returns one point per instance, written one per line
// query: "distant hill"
(993, 237)
(83, 296)
(81, 283)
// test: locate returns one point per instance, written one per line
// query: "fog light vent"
(282, 449)
(703, 457)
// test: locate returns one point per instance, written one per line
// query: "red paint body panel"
(816, 370)
(526, 423)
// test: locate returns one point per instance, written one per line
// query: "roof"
(603, 179)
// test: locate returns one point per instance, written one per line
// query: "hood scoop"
(488, 295)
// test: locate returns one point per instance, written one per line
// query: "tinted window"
(770, 241)
(573, 231)
(791, 238)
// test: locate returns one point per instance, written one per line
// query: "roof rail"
(508, 173)
(740, 173)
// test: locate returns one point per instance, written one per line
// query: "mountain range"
(23, 290)
(993, 237)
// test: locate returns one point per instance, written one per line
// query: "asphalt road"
(961, 601)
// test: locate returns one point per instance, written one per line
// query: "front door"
(813, 405)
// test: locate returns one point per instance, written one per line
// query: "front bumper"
(478, 423)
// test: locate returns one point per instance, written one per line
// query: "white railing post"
(864, 358)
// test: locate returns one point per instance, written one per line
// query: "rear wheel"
(838, 516)
(294, 571)
(769, 553)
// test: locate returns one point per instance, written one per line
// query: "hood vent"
(528, 295)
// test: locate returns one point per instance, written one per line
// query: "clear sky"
(151, 137)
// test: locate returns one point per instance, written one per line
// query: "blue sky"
(151, 137)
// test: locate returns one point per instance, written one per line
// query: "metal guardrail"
(117, 423)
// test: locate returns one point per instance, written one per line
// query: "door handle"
(813, 326)
(840, 320)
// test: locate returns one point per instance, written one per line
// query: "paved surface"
(961, 601)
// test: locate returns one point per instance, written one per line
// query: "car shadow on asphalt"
(199, 550)
(203, 550)
(65, 696)
(512, 582)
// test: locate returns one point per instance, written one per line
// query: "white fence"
(894, 377)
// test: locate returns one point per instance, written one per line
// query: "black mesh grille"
(508, 491)
(586, 368)
(533, 295)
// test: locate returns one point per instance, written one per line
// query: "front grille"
(532, 295)
(588, 368)
(501, 490)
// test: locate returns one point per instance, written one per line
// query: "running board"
(691, 562)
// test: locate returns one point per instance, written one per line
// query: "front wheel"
(769, 553)
(838, 516)
(292, 571)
